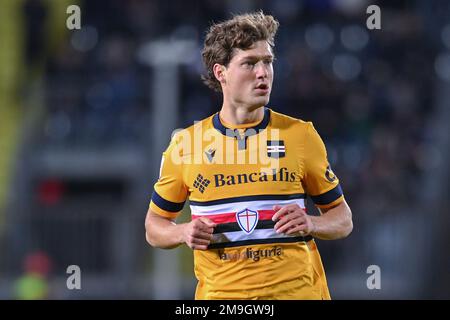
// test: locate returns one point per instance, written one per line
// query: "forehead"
(259, 49)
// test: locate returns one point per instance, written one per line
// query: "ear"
(219, 72)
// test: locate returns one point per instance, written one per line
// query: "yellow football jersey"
(234, 175)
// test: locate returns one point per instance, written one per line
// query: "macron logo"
(210, 154)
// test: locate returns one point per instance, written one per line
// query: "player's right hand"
(198, 233)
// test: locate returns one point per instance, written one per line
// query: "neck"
(237, 115)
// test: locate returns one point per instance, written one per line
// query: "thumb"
(208, 222)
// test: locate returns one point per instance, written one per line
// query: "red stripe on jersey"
(265, 214)
(231, 217)
(218, 218)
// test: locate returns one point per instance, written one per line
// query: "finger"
(202, 235)
(284, 210)
(208, 222)
(287, 225)
(193, 241)
(204, 228)
(199, 247)
(208, 230)
(200, 241)
(289, 217)
(279, 213)
(299, 228)
(282, 220)
(276, 207)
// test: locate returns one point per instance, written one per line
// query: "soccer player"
(247, 171)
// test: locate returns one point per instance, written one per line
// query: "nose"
(262, 70)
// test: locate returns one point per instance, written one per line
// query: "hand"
(291, 219)
(198, 233)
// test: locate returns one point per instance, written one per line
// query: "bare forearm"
(335, 223)
(162, 233)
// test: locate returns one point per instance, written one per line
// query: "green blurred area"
(16, 76)
(11, 75)
(31, 287)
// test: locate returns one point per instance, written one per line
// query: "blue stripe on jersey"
(258, 241)
(328, 197)
(233, 226)
(165, 204)
(250, 198)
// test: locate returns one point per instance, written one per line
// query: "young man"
(246, 171)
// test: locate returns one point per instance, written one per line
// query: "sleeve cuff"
(328, 198)
(165, 207)
(159, 211)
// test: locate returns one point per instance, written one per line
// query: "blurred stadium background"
(85, 115)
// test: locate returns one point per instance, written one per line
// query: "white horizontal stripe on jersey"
(238, 206)
(242, 236)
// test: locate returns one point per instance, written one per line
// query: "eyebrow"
(258, 57)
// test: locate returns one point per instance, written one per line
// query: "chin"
(256, 102)
(262, 101)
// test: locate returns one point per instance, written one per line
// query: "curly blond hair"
(242, 31)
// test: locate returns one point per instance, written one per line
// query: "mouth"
(262, 88)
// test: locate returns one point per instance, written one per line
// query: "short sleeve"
(320, 182)
(170, 191)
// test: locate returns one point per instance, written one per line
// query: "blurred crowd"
(368, 92)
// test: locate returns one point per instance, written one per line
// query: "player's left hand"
(292, 219)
